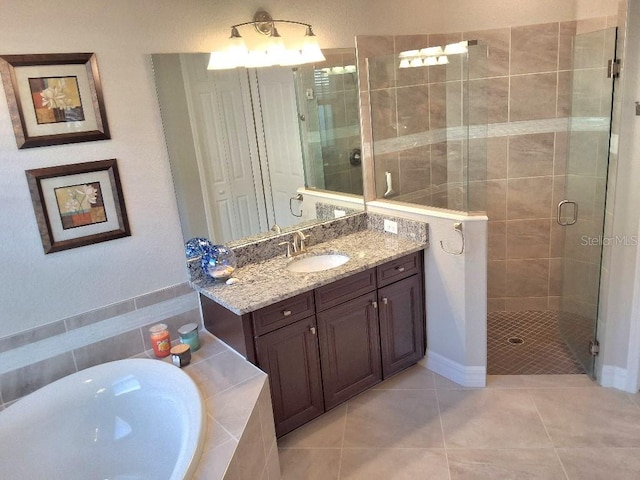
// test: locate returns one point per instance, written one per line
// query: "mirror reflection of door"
(239, 121)
(238, 149)
(225, 150)
(282, 147)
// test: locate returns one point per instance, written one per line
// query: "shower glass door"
(580, 215)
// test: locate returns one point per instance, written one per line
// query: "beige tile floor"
(418, 425)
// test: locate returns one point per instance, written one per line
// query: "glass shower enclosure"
(429, 126)
(430, 110)
(581, 214)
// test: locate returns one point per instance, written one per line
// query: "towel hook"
(458, 228)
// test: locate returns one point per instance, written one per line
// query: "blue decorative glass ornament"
(196, 247)
(219, 262)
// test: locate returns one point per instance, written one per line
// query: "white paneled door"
(282, 145)
(226, 147)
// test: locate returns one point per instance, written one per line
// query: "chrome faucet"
(297, 245)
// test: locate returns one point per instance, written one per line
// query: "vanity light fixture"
(273, 53)
(339, 70)
(426, 57)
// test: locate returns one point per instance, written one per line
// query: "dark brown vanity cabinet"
(322, 347)
(291, 357)
(402, 327)
(349, 337)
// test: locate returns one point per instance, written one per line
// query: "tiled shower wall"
(527, 86)
(526, 172)
(335, 104)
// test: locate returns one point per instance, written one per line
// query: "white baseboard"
(617, 377)
(454, 371)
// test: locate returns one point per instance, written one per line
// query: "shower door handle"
(559, 213)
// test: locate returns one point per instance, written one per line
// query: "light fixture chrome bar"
(237, 54)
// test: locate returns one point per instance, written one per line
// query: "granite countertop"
(264, 283)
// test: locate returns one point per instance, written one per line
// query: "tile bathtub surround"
(520, 426)
(240, 442)
(110, 333)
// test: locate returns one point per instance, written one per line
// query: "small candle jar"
(160, 340)
(189, 336)
(181, 355)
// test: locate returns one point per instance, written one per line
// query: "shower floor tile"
(527, 343)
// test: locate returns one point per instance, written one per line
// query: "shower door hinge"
(594, 348)
(613, 68)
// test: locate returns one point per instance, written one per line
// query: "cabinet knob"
(286, 313)
(385, 300)
(400, 269)
(313, 330)
(374, 304)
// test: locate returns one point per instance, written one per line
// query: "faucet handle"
(288, 244)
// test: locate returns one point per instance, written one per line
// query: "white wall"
(456, 292)
(619, 322)
(38, 289)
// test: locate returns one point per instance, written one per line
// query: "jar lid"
(158, 328)
(188, 328)
(180, 349)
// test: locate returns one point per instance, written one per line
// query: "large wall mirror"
(241, 142)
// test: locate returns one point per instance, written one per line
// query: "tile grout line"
(444, 442)
(344, 430)
(555, 450)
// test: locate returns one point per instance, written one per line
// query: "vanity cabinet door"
(349, 349)
(402, 324)
(290, 357)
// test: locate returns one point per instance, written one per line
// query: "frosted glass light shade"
(221, 61)
(291, 57)
(276, 50)
(258, 58)
(237, 49)
(409, 53)
(456, 48)
(311, 51)
(431, 51)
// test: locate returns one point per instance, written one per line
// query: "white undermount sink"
(317, 262)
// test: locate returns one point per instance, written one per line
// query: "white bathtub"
(131, 419)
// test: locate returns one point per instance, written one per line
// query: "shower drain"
(515, 340)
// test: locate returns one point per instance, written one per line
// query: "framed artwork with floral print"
(54, 98)
(79, 204)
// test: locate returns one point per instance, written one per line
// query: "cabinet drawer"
(282, 313)
(399, 268)
(345, 289)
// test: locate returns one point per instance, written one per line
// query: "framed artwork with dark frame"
(78, 204)
(54, 98)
